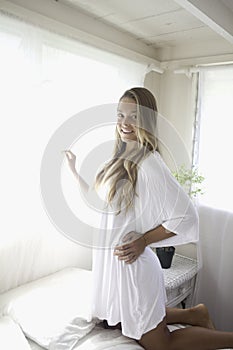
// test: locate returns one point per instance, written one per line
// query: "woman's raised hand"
(71, 157)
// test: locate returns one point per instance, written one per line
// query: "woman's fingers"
(129, 252)
(124, 246)
(123, 255)
(128, 257)
(71, 158)
(126, 254)
(66, 152)
(131, 258)
(122, 251)
(69, 155)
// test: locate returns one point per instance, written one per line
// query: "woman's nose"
(126, 120)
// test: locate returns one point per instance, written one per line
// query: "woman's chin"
(127, 139)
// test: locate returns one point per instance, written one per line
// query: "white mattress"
(34, 346)
(98, 338)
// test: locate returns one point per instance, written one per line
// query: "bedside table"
(180, 281)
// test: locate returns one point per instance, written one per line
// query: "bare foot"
(200, 316)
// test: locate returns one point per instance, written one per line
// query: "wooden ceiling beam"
(213, 13)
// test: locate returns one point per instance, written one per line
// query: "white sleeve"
(162, 201)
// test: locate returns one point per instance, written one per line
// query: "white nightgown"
(134, 294)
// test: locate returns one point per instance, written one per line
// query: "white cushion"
(11, 336)
(45, 307)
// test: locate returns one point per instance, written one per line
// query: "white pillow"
(33, 345)
(11, 336)
(43, 308)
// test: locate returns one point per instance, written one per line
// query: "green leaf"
(189, 179)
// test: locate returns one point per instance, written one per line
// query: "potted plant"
(191, 181)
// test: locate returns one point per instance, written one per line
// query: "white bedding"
(45, 307)
(11, 336)
(44, 311)
(102, 339)
(34, 346)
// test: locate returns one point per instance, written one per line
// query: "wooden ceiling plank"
(213, 13)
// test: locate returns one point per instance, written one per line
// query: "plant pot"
(165, 255)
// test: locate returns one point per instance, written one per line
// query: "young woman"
(145, 206)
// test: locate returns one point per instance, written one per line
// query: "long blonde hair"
(122, 170)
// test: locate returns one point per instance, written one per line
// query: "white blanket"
(97, 339)
(83, 335)
(103, 339)
(100, 339)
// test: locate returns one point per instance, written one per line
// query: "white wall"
(175, 94)
(27, 256)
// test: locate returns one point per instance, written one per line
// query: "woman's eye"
(132, 118)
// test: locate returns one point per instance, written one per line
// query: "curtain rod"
(153, 68)
(188, 71)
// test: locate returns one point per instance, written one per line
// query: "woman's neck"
(131, 146)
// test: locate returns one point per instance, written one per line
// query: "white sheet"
(34, 346)
(102, 339)
(99, 339)
(11, 336)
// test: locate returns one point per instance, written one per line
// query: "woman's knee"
(156, 339)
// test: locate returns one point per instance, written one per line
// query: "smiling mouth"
(126, 132)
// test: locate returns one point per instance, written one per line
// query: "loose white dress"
(134, 294)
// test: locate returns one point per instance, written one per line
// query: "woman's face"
(127, 119)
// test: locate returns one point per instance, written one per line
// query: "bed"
(45, 285)
(53, 312)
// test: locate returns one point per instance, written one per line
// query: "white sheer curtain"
(215, 141)
(215, 283)
(44, 80)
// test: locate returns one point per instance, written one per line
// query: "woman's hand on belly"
(134, 245)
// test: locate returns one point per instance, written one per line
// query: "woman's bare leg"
(195, 316)
(191, 338)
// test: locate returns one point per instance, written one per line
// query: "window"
(45, 79)
(216, 136)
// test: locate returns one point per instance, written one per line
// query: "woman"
(145, 206)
